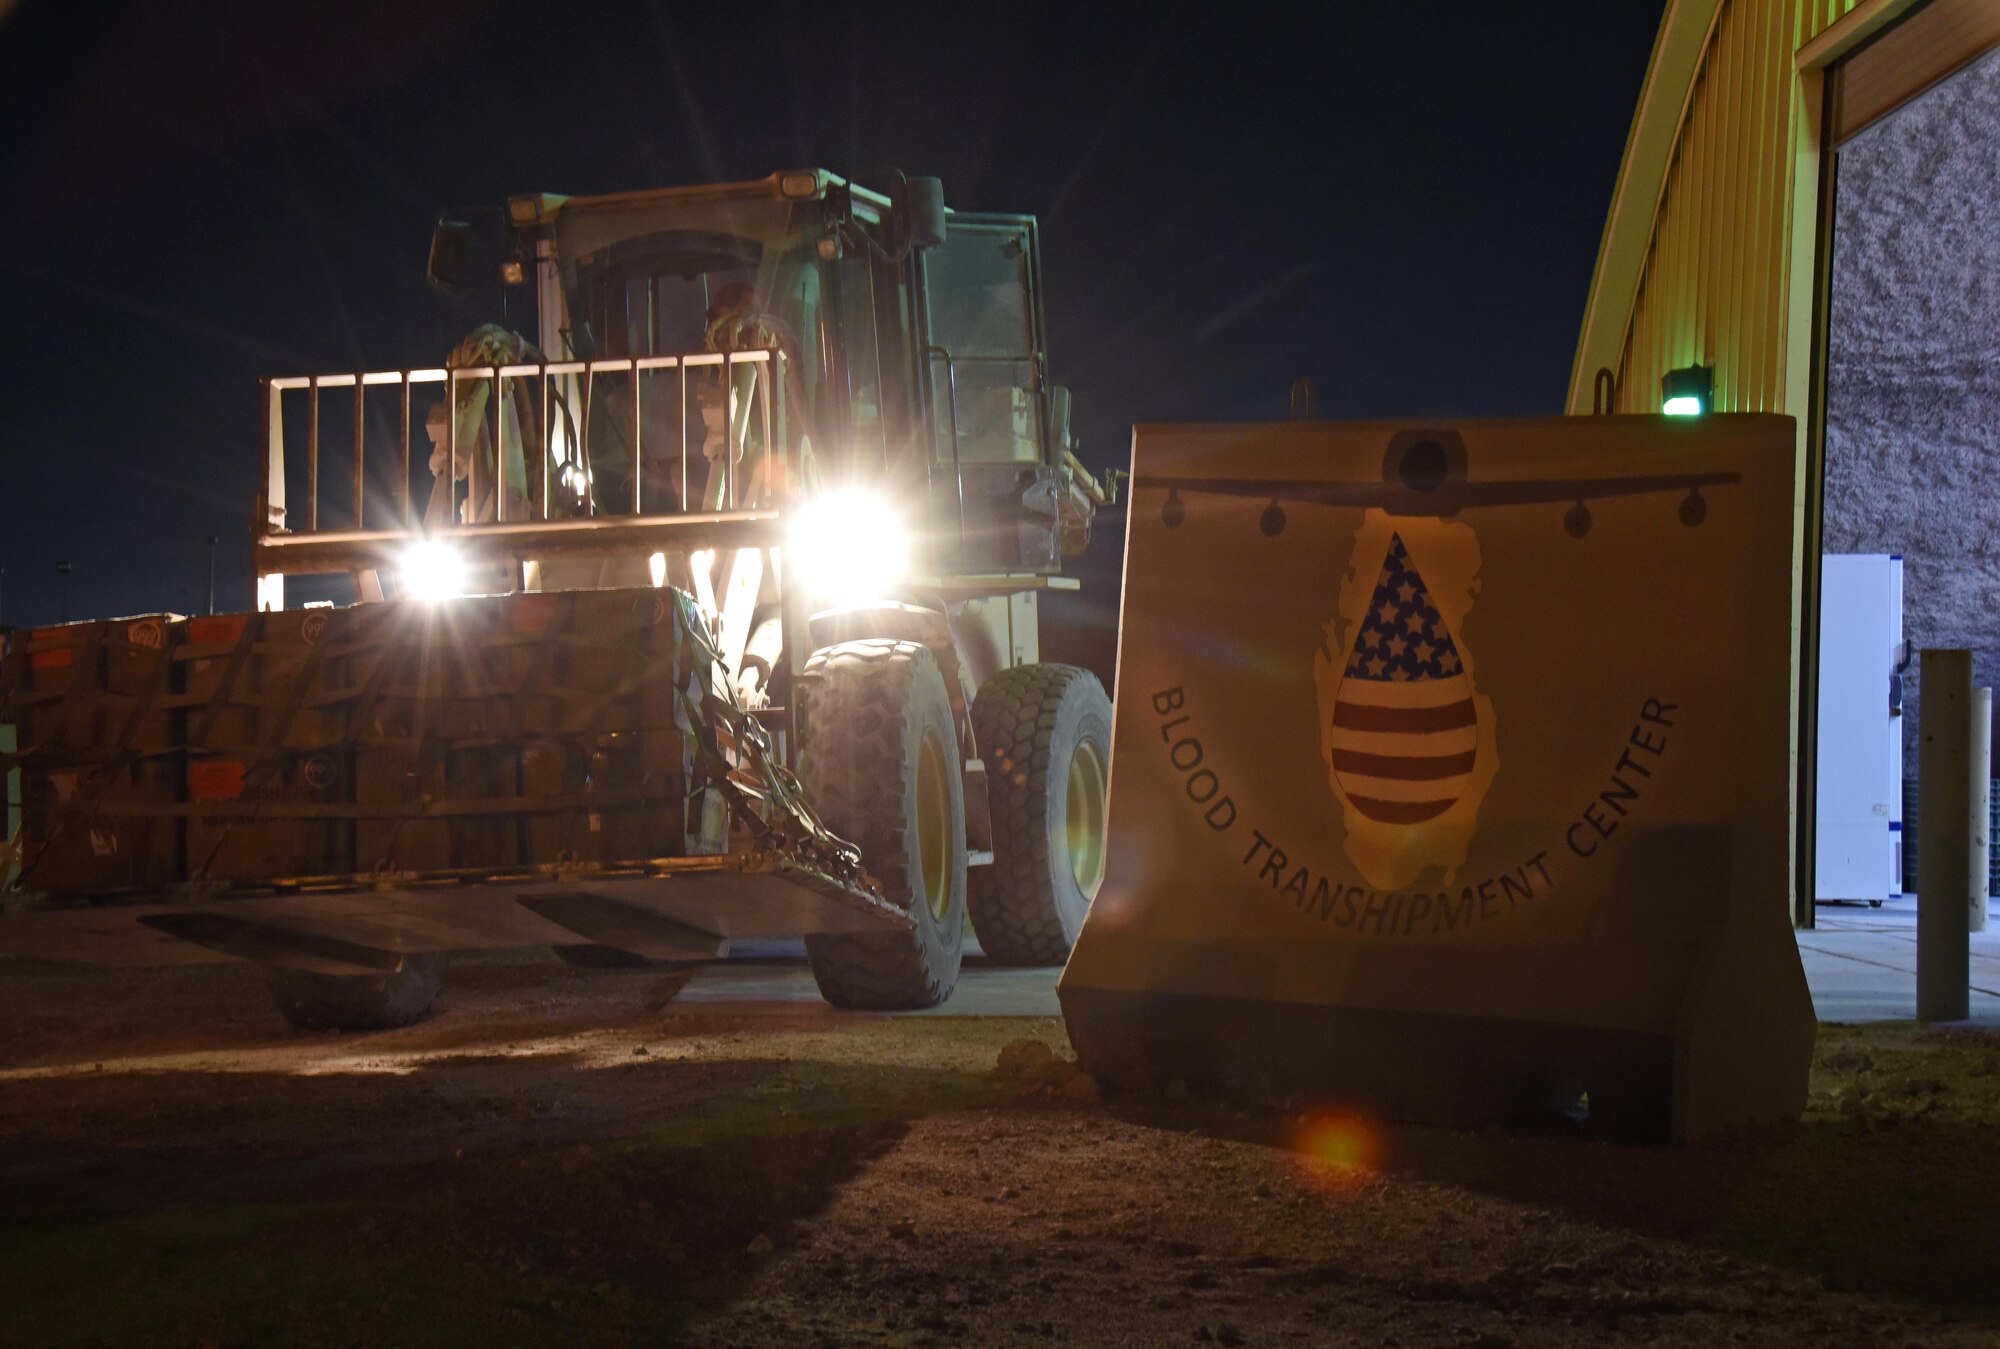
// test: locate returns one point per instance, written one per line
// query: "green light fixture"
(1688, 391)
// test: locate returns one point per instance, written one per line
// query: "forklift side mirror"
(918, 204)
(1060, 439)
(450, 267)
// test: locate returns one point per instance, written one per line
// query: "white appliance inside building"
(1860, 804)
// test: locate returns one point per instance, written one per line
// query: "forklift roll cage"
(921, 442)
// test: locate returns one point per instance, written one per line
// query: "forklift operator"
(487, 345)
(734, 433)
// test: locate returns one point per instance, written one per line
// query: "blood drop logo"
(1404, 737)
(1409, 740)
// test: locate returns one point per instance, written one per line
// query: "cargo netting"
(485, 736)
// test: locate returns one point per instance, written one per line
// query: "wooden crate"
(255, 830)
(99, 765)
(486, 734)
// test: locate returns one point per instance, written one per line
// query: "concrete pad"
(776, 971)
(1861, 964)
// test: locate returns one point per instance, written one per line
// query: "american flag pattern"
(1405, 731)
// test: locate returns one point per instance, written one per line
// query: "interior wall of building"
(1913, 375)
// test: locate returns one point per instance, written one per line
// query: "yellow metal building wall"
(1714, 286)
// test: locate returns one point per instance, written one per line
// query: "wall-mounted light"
(1688, 391)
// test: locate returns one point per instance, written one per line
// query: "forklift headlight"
(432, 570)
(847, 547)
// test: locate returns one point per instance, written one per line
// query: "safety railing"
(552, 411)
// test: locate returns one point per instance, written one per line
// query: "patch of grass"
(267, 1274)
(610, 1244)
(618, 1241)
(241, 1275)
(811, 1097)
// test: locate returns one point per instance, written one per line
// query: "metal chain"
(765, 795)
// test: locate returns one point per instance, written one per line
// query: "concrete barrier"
(1452, 774)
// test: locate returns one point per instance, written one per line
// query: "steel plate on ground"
(722, 898)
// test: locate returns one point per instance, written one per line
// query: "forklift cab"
(913, 346)
(794, 363)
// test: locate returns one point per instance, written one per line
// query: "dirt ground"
(567, 1157)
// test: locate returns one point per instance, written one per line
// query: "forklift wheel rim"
(934, 825)
(1083, 817)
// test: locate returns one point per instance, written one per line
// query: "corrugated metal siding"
(1714, 286)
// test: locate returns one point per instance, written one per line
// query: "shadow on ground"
(613, 1233)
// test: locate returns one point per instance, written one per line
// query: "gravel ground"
(568, 1157)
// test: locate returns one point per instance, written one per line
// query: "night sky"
(1401, 201)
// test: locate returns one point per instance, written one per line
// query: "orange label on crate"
(50, 660)
(215, 779)
(147, 632)
(533, 613)
(217, 629)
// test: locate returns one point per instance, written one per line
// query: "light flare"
(432, 570)
(848, 547)
(1337, 1152)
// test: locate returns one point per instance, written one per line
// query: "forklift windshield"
(641, 279)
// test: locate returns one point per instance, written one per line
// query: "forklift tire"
(1045, 735)
(883, 768)
(351, 1002)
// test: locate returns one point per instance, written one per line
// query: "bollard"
(1982, 807)
(1944, 842)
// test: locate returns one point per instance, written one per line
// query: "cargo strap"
(239, 657)
(270, 753)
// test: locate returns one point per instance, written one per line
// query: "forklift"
(711, 614)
